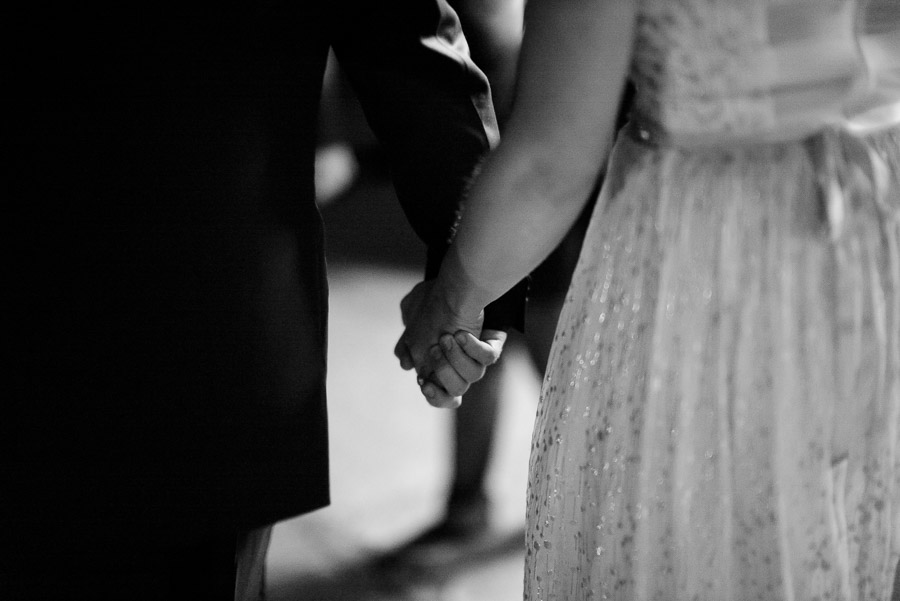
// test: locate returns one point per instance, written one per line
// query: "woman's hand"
(448, 350)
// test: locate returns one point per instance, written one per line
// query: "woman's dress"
(721, 415)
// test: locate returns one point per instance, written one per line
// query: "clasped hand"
(449, 351)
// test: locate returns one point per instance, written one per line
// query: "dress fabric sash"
(816, 65)
(877, 107)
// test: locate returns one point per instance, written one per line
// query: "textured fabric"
(720, 419)
(767, 70)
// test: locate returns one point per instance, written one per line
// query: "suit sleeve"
(430, 108)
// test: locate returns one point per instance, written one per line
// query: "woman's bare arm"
(572, 72)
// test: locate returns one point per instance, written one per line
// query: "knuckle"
(475, 374)
(440, 401)
(458, 389)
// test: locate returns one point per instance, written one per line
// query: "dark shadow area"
(366, 224)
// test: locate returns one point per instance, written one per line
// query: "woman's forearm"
(531, 190)
(516, 217)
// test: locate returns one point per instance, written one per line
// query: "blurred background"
(427, 504)
(392, 455)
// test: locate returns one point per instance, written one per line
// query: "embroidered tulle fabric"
(720, 419)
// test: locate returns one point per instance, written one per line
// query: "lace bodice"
(767, 69)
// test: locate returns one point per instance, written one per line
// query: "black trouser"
(206, 570)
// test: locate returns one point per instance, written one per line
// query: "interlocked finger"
(468, 369)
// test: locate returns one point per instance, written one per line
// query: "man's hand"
(443, 346)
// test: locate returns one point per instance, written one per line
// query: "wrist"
(461, 293)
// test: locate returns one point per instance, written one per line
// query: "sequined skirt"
(720, 418)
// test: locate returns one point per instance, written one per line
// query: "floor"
(389, 448)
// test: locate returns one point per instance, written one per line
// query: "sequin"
(737, 359)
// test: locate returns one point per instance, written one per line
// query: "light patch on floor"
(389, 459)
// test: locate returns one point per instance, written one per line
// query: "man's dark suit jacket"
(171, 351)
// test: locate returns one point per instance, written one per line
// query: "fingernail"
(446, 342)
(436, 353)
(461, 338)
